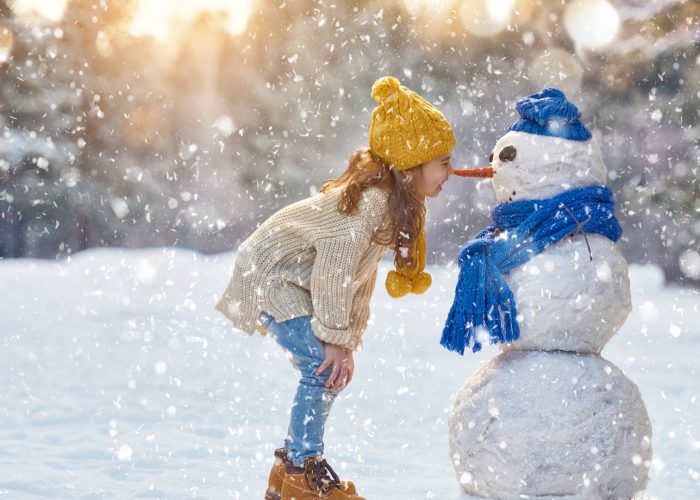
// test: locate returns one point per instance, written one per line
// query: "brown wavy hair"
(405, 210)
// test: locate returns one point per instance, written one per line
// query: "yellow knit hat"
(406, 130)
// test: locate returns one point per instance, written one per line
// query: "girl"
(307, 273)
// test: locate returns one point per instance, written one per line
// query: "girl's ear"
(412, 176)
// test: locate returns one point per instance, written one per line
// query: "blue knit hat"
(549, 113)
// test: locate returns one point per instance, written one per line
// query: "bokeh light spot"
(591, 23)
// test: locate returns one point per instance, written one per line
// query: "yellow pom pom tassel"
(402, 280)
(398, 285)
(421, 282)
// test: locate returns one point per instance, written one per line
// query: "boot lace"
(322, 476)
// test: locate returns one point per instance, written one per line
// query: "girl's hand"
(343, 366)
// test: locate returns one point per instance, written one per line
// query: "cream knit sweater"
(310, 259)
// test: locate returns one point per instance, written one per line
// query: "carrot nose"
(475, 172)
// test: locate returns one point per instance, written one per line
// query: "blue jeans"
(313, 400)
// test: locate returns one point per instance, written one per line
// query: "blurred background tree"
(134, 123)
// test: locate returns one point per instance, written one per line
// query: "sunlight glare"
(433, 8)
(50, 9)
(159, 19)
(486, 17)
(7, 40)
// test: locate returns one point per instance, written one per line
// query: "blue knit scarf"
(521, 230)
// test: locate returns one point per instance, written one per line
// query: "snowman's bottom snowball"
(550, 424)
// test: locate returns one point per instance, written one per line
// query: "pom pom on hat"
(385, 88)
(549, 113)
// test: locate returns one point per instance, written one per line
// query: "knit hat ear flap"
(403, 280)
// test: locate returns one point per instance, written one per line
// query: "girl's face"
(429, 177)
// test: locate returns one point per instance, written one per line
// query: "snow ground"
(119, 380)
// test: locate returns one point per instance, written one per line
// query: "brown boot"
(315, 480)
(274, 484)
(278, 471)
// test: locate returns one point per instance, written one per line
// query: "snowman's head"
(547, 151)
(531, 166)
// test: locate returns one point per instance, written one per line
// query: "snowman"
(548, 417)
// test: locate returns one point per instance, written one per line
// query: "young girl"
(307, 273)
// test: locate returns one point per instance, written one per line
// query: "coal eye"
(507, 154)
(491, 157)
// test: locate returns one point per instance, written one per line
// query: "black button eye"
(507, 154)
(491, 157)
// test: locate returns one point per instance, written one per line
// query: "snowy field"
(119, 380)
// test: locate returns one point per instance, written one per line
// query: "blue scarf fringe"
(521, 230)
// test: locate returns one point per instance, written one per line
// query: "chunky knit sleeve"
(360, 306)
(332, 288)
